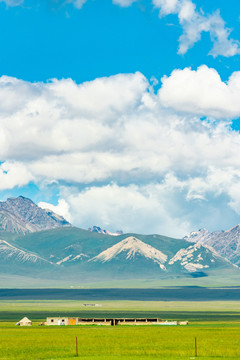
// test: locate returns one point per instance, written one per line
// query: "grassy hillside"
(58, 245)
(56, 240)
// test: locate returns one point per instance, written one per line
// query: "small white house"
(58, 321)
(24, 322)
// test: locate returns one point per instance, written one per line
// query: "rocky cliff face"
(225, 243)
(20, 215)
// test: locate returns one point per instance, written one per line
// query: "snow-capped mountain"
(99, 230)
(225, 243)
(131, 248)
(20, 215)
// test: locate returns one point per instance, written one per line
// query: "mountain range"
(38, 243)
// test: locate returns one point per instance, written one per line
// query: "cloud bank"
(123, 155)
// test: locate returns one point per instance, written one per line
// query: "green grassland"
(215, 324)
(214, 340)
(216, 279)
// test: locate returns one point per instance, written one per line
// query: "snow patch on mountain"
(191, 267)
(189, 259)
(80, 257)
(64, 260)
(71, 257)
(9, 251)
(132, 247)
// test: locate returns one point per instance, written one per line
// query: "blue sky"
(46, 39)
(123, 114)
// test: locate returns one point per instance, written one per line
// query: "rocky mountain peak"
(99, 230)
(22, 215)
(225, 243)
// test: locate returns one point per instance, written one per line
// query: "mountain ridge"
(40, 243)
(73, 253)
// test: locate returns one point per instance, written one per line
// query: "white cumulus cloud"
(172, 207)
(113, 146)
(144, 209)
(14, 174)
(62, 208)
(202, 92)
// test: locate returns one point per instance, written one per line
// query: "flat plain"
(216, 325)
